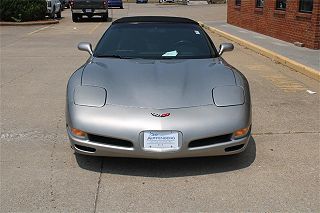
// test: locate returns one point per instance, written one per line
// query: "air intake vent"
(110, 141)
(210, 141)
(234, 148)
(85, 148)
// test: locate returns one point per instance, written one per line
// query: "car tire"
(121, 7)
(75, 17)
(59, 14)
(105, 17)
(52, 15)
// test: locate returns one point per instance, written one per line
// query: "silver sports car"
(156, 87)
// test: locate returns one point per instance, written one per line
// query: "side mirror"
(225, 47)
(85, 46)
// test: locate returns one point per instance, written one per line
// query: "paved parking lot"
(279, 171)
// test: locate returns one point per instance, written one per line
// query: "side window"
(259, 3)
(281, 4)
(306, 6)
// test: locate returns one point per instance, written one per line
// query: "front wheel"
(75, 17)
(121, 7)
(59, 14)
(105, 17)
(52, 15)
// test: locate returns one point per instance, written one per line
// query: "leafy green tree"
(22, 10)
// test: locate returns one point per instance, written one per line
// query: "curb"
(308, 71)
(28, 23)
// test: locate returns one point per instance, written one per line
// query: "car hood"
(157, 84)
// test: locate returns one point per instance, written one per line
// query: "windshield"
(154, 41)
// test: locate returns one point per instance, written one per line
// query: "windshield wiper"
(113, 56)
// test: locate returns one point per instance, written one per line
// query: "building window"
(306, 6)
(281, 4)
(259, 3)
(238, 2)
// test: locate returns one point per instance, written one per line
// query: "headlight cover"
(224, 96)
(90, 96)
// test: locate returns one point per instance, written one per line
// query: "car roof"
(145, 19)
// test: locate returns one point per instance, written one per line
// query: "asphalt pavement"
(279, 171)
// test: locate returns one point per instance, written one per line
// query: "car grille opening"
(210, 141)
(234, 148)
(110, 141)
(85, 148)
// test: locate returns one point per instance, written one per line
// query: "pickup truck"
(54, 8)
(89, 8)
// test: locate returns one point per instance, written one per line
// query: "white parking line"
(38, 30)
(93, 29)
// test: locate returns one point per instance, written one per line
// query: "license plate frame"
(161, 140)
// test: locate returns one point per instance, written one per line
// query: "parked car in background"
(89, 8)
(54, 8)
(115, 3)
(65, 3)
(167, 1)
(68, 3)
(141, 1)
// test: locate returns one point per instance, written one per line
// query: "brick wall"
(289, 25)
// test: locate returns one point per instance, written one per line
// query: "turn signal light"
(241, 133)
(78, 133)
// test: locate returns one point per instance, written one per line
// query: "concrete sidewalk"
(304, 56)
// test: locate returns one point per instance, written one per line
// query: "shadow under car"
(170, 167)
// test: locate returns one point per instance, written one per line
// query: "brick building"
(288, 20)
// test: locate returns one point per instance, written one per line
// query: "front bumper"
(128, 124)
(97, 149)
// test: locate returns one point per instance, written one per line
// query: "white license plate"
(160, 140)
(88, 10)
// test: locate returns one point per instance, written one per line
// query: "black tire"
(121, 7)
(59, 14)
(52, 15)
(105, 17)
(75, 17)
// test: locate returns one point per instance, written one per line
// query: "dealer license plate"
(88, 10)
(160, 140)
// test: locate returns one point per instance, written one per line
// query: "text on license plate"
(88, 10)
(160, 140)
